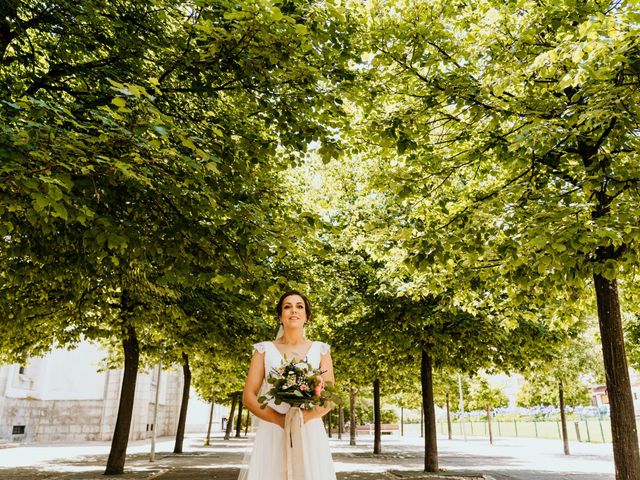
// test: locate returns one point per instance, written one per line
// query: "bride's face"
(294, 313)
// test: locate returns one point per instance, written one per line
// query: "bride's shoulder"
(324, 347)
(260, 347)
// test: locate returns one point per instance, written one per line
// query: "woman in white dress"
(271, 456)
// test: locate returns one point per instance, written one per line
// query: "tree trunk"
(239, 420)
(340, 422)
(120, 440)
(182, 420)
(421, 420)
(624, 433)
(402, 421)
(208, 441)
(227, 433)
(247, 422)
(430, 440)
(377, 423)
(626, 454)
(489, 424)
(330, 423)
(352, 417)
(8, 14)
(448, 418)
(563, 419)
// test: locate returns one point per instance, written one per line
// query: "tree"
(446, 393)
(483, 396)
(561, 381)
(544, 392)
(517, 122)
(217, 373)
(382, 315)
(407, 397)
(153, 155)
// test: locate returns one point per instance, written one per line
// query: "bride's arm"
(251, 388)
(326, 365)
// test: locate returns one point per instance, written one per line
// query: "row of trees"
(500, 148)
(477, 395)
(142, 201)
(490, 190)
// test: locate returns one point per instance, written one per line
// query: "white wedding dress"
(267, 460)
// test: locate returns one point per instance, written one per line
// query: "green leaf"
(610, 269)
(119, 102)
(276, 14)
(116, 241)
(60, 210)
(187, 142)
(54, 192)
(41, 201)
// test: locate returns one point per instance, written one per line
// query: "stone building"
(600, 395)
(63, 397)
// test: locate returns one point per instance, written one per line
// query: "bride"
(276, 456)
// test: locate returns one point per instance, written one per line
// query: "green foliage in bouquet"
(299, 385)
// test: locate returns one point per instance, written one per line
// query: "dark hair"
(307, 304)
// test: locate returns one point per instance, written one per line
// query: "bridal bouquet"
(298, 384)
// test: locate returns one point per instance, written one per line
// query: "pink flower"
(317, 391)
(304, 387)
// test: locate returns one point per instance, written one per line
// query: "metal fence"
(592, 430)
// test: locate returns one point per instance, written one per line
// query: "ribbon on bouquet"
(296, 467)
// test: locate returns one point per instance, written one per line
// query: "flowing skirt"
(267, 460)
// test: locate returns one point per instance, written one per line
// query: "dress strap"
(324, 348)
(259, 347)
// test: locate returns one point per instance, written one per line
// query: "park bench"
(385, 428)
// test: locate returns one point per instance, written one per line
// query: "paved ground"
(519, 459)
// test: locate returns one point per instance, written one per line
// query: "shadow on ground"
(221, 461)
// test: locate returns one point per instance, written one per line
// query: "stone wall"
(76, 420)
(51, 420)
(168, 423)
